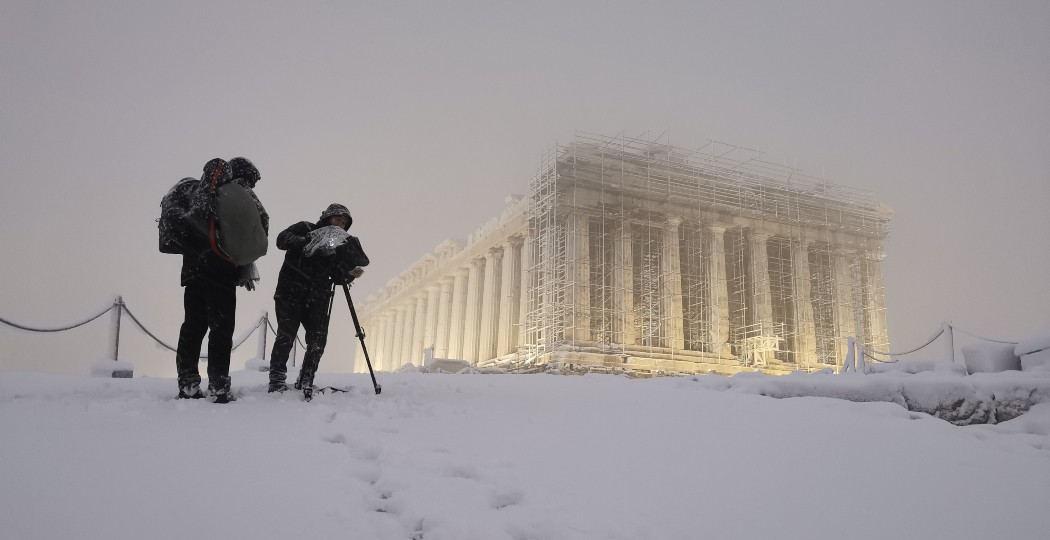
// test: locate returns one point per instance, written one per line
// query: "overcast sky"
(421, 117)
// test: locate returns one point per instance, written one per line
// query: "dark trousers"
(208, 306)
(296, 306)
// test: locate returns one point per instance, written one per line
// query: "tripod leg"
(361, 336)
(331, 300)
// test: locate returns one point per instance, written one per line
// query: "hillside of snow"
(516, 457)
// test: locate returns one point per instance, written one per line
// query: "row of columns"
(472, 313)
(718, 309)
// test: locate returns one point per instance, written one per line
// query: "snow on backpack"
(174, 208)
(224, 212)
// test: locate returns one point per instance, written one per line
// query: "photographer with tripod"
(317, 257)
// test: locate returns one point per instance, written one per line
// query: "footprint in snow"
(502, 498)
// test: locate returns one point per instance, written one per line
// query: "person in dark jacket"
(210, 281)
(317, 255)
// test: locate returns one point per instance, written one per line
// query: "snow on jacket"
(313, 274)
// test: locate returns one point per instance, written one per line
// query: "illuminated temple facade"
(632, 256)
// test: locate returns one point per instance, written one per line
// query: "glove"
(341, 276)
(247, 284)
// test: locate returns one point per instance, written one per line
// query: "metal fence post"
(115, 326)
(115, 368)
(258, 362)
(262, 338)
(950, 341)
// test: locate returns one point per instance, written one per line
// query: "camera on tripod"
(345, 274)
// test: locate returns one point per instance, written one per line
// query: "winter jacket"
(313, 275)
(200, 261)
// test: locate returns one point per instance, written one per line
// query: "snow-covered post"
(850, 363)
(259, 363)
(949, 341)
(114, 367)
(115, 313)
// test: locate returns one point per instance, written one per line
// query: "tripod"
(357, 325)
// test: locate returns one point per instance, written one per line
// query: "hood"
(217, 172)
(335, 210)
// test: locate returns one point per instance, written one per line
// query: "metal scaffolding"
(639, 249)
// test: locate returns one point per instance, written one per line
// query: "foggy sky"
(421, 117)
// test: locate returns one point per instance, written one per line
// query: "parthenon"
(633, 256)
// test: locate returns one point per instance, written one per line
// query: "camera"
(344, 274)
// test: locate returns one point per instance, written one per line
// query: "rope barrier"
(245, 338)
(879, 360)
(983, 338)
(143, 328)
(137, 322)
(121, 305)
(31, 329)
(172, 349)
(934, 338)
(274, 330)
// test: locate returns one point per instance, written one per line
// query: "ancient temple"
(633, 256)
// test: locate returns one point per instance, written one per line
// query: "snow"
(986, 357)
(110, 368)
(518, 457)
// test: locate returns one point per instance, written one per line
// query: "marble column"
(525, 249)
(457, 326)
(845, 322)
(510, 297)
(718, 305)
(623, 279)
(389, 340)
(762, 298)
(577, 252)
(375, 340)
(472, 322)
(415, 354)
(444, 318)
(671, 270)
(431, 316)
(806, 330)
(490, 305)
(401, 327)
(876, 302)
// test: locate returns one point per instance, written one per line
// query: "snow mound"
(990, 358)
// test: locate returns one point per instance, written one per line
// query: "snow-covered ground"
(517, 457)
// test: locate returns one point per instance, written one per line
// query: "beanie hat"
(244, 168)
(334, 210)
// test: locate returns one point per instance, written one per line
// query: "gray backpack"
(240, 233)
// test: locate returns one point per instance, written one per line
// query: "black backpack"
(175, 209)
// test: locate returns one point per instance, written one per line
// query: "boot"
(306, 383)
(190, 391)
(219, 387)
